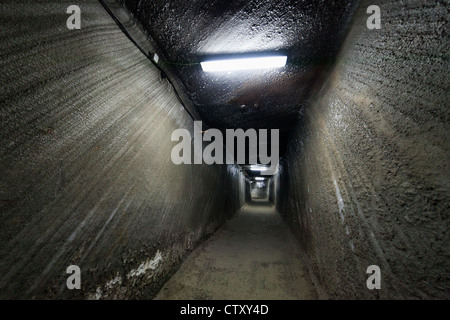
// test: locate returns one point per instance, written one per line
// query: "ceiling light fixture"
(244, 64)
(259, 178)
(259, 168)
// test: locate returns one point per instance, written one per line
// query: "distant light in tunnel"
(259, 168)
(259, 179)
(260, 184)
(244, 64)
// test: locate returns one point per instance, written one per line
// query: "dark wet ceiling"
(309, 32)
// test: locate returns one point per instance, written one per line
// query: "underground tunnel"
(116, 175)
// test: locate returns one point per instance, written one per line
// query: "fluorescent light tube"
(259, 168)
(244, 64)
(259, 178)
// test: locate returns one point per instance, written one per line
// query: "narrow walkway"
(254, 256)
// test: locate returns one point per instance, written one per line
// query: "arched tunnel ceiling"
(310, 32)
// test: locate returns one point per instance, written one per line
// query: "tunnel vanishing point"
(93, 207)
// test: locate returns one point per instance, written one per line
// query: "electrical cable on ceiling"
(149, 55)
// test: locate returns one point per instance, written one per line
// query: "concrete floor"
(254, 256)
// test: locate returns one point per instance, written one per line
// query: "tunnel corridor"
(90, 118)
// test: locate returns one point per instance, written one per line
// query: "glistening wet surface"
(254, 256)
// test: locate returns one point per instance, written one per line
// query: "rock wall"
(366, 180)
(86, 173)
